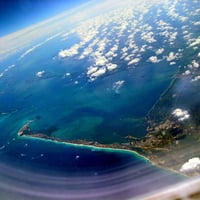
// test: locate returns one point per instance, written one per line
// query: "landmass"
(172, 137)
(167, 144)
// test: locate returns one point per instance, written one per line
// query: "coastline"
(162, 146)
(122, 148)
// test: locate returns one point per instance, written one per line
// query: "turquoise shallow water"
(76, 108)
(38, 169)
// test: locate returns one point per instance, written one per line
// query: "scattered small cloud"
(69, 52)
(191, 166)
(40, 74)
(187, 72)
(111, 66)
(196, 23)
(172, 63)
(100, 61)
(94, 72)
(6, 70)
(66, 75)
(123, 34)
(154, 59)
(91, 70)
(160, 51)
(173, 36)
(195, 42)
(99, 72)
(195, 64)
(148, 37)
(134, 61)
(181, 114)
(117, 86)
(196, 78)
(172, 56)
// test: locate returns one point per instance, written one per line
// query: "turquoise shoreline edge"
(106, 149)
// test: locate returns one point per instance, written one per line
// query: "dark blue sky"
(18, 14)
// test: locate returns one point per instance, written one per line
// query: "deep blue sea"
(71, 107)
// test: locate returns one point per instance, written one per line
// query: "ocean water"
(38, 169)
(74, 107)
(71, 107)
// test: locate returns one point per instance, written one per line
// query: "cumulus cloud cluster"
(154, 59)
(192, 69)
(191, 166)
(160, 51)
(181, 114)
(172, 56)
(94, 72)
(124, 34)
(69, 52)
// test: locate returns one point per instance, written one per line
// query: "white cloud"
(69, 52)
(91, 70)
(180, 114)
(127, 58)
(111, 66)
(94, 72)
(109, 54)
(67, 74)
(6, 70)
(114, 34)
(183, 18)
(172, 36)
(114, 48)
(117, 86)
(125, 49)
(193, 165)
(195, 64)
(11, 66)
(100, 61)
(196, 78)
(195, 42)
(40, 74)
(134, 61)
(154, 59)
(99, 72)
(28, 51)
(23, 39)
(148, 37)
(87, 51)
(171, 56)
(197, 23)
(187, 72)
(172, 63)
(143, 48)
(124, 55)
